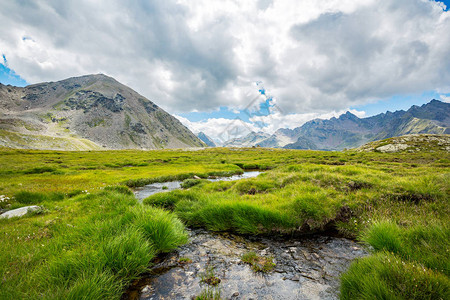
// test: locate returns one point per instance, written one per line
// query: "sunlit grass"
(92, 237)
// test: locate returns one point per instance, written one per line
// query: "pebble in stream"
(306, 268)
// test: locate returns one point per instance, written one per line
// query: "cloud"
(445, 98)
(314, 56)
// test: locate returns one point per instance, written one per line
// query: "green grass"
(210, 293)
(209, 277)
(428, 245)
(386, 276)
(258, 263)
(90, 246)
(396, 203)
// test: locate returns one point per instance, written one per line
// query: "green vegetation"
(258, 263)
(209, 277)
(187, 183)
(209, 294)
(90, 246)
(396, 203)
(184, 260)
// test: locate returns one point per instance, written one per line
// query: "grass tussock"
(385, 276)
(87, 247)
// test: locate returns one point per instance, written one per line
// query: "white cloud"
(445, 98)
(314, 56)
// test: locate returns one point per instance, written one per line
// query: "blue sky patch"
(398, 102)
(8, 76)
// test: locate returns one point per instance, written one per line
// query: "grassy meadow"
(396, 204)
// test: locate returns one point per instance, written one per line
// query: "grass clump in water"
(209, 294)
(187, 183)
(169, 200)
(209, 277)
(258, 263)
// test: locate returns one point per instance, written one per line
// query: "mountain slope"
(93, 107)
(206, 139)
(252, 139)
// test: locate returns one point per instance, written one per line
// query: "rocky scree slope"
(87, 112)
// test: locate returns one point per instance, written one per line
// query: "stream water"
(306, 268)
(159, 187)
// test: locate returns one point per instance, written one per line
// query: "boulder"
(19, 212)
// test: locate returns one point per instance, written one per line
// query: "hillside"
(349, 131)
(252, 139)
(206, 139)
(87, 112)
(409, 143)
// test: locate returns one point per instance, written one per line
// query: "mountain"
(349, 131)
(87, 112)
(206, 139)
(252, 139)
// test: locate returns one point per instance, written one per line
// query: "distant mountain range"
(87, 112)
(349, 131)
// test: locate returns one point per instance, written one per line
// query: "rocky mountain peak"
(93, 107)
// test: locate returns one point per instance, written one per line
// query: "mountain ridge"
(350, 131)
(97, 108)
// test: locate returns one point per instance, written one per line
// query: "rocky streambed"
(306, 268)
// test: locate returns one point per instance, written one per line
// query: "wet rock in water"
(312, 273)
(19, 212)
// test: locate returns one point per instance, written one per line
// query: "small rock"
(196, 177)
(295, 278)
(235, 294)
(285, 256)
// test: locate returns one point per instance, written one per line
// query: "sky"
(230, 67)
